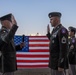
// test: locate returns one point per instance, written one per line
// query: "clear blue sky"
(32, 15)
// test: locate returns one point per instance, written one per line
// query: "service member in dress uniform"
(72, 51)
(58, 45)
(7, 47)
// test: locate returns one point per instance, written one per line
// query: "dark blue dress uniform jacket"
(72, 50)
(58, 48)
(8, 50)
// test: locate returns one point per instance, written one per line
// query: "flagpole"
(23, 36)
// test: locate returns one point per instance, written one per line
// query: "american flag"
(35, 54)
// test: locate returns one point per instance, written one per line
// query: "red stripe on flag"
(35, 56)
(38, 37)
(31, 66)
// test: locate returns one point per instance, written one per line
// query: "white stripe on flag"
(32, 58)
(32, 63)
(38, 47)
(38, 42)
(33, 53)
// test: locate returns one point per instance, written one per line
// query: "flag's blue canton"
(18, 40)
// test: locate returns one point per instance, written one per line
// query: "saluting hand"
(48, 28)
(13, 20)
